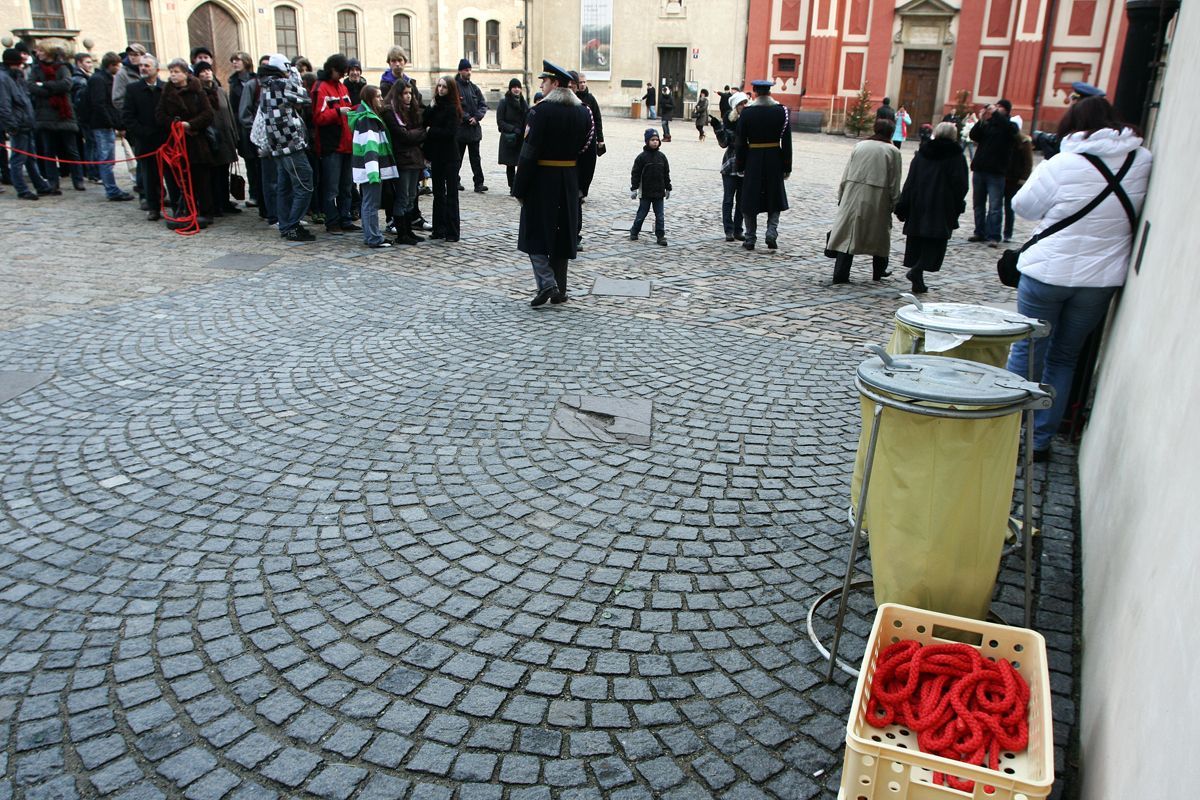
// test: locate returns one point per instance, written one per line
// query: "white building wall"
(1139, 469)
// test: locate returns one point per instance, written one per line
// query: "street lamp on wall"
(518, 35)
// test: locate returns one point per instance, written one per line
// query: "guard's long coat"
(559, 129)
(764, 122)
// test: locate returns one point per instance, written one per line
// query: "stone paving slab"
(612, 287)
(242, 261)
(13, 384)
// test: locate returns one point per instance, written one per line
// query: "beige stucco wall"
(436, 30)
(1138, 473)
(716, 27)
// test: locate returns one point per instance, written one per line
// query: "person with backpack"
(1086, 201)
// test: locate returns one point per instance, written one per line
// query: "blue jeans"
(988, 200)
(1073, 313)
(293, 189)
(104, 145)
(336, 182)
(369, 211)
(19, 165)
(660, 224)
(651, 114)
(89, 152)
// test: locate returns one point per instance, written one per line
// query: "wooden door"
(215, 28)
(918, 88)
(672, 66)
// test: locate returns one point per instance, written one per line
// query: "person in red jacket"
(331, 104)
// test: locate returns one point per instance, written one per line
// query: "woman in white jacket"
(1069, 278)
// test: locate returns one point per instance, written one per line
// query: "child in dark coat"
(651, 181)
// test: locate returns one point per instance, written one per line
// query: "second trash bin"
(960, 330)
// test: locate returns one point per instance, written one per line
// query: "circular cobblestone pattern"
(301, 533)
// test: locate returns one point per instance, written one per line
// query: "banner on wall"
(595, 39)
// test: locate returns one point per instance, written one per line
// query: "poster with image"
(595, 39)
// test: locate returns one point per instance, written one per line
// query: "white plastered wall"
(1139, 469)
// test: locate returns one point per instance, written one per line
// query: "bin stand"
(848, 583)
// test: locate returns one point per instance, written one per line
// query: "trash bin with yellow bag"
(961, 330)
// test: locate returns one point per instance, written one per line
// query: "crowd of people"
(320, 147)
(329, 146)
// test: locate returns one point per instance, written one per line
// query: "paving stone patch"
(602, 419)
(14, 384)
(248, 262)
(612, 287)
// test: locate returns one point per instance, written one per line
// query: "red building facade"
(921, 53)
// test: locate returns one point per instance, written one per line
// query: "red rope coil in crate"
(960, 705)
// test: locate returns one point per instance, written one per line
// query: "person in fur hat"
(558, 130)
(731, 180)
(764, 157)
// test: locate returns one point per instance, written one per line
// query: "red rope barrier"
(960, 705)
(171, 156)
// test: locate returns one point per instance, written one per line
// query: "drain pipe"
(1039, 86)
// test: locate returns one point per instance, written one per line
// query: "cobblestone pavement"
(299, 532)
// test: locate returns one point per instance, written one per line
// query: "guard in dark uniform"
(558, 130)
(764, 157)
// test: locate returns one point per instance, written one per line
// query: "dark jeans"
(294, 189)
(476, 165)
(22, 165)
(336, 185)
(405, 192)
(149, 181)
(988, 200)
(445, 197)
(1009, 193)
(731, 204)
(254, 183)
(510, 172)
(666, 127)
(269, 186)
(60, 144)
(89, 153)
(660, 223)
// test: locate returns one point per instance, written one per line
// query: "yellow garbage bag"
(938, 506)
(991, 350)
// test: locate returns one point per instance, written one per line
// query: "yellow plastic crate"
(884, 763)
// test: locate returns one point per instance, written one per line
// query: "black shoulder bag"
(1006, 267)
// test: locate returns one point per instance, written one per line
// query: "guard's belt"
(547, 163)
(763, 145)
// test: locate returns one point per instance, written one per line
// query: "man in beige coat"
(869, 191)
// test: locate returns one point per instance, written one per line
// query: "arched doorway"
(215, 28)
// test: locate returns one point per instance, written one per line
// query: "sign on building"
(595, 39)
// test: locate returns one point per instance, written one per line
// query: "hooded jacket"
(371, 160)
(1095, 250)
(281, 100)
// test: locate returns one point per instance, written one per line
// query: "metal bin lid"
(938, 379)
(965, 318)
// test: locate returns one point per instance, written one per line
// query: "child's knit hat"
(651, 133)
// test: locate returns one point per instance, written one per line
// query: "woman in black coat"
(184, 100)
(49, 84)
(441, 125)
(510, 119)
(933, 197)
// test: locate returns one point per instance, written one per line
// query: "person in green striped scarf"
(371, 162)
